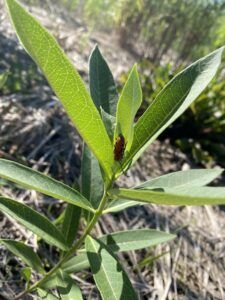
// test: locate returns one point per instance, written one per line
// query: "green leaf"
(175, 196)
(109, 122)
(33, 221)
(172, 101)
(120, 204)
(26, 253)
(76, 264)
(92, 185)
(189, 178)
(102, 85)
(110, 278)
(135, 239)
(128, 105)
(67, 288)
(71, 223)
(26, 273)
(65, 81)
(118, 242)
(37, 181)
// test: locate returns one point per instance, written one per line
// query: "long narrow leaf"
(71, 223)
(174, 196)
(25, 252)
(65, 82)
(33, 221)
(189, 178)
(91, 178)
(109, 122)
(172, 101)
(37, 181)
(128, 105)
(135, 239)
(102, 85)
(110, 278)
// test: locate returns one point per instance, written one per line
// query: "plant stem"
(74, 248)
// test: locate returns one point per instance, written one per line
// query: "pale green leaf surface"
(33, 221)
(117, 205)
(174, 196)
(65, 82)
(102, 85)
(26, 253)
(172, 101)
(76, 264)
(135, 239)
(110, 278)
(128, 105)
(30, 179)
(189, 178)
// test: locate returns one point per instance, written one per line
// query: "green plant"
(199, 132)
(112, 144)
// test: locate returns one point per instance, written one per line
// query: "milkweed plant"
(113, 141)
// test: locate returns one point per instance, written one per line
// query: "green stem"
(74, 248)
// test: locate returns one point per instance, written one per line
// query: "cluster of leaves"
(103, 119)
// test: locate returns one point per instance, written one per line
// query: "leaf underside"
(65, 81)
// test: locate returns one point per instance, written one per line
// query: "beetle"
(119, 147)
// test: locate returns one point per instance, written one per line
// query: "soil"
(35, 131)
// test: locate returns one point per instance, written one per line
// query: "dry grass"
(34, 130)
